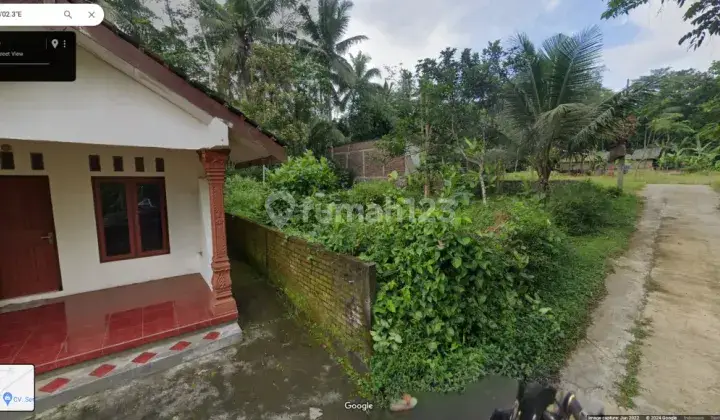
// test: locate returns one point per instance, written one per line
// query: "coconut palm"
(359, 82)
(547, 101)
(323, 38)
(230, 30)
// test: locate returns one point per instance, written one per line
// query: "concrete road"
(673, 268)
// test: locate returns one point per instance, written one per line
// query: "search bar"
(51, 14)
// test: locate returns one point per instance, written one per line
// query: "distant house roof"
(646, 154)
(576, 159)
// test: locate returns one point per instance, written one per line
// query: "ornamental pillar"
(214, 162)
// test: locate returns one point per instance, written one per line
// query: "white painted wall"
(103, 106)
(73, 208)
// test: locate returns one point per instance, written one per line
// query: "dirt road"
(668, 282)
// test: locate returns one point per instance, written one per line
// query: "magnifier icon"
(67, 14)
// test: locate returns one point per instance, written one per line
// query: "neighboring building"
(367, 162)
(645, 158)
(594, 162)
(108, 184)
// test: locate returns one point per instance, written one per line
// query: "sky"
(403, 31)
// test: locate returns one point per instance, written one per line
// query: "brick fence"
(336, 291)
(367, 162)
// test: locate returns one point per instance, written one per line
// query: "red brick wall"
(335, 290)
(366, 161)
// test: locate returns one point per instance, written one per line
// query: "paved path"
(276, 373)
(674, 261)
(680, 371)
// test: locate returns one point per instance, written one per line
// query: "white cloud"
(387, 50)
(656, 45)
(404, 31)
(551, 5)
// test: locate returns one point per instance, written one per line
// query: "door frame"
(56, 253)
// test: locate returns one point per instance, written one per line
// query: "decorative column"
(214, 163)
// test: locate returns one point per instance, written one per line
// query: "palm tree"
(230, 30)
(548, 101)
(324, 39)
(360, 80)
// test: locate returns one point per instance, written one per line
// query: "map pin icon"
(54, 44)
(7, 397)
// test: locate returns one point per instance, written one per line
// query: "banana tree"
(697, 156)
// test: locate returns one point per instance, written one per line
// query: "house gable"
(103, 106)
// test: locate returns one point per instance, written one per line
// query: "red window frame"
(133, 217)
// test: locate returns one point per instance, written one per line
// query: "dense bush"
(447, 294)
(372, 192)
(488, 289)
(303, 176)
(581, 207)
(345, 177)
(246, 197)
(530, 232)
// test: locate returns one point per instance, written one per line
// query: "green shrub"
(371, 192)
(492, 289)
(415, 369)
(303, 176)
(529, 231)
(581, 207)
(246, 197)
(254, 172)
(444, 294)
(346, 177)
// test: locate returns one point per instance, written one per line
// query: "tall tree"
(171, 42)
(368, 113)
(358, 82)
(231, 29)
(324, 41)
(548, 97)
(447, 99)
(285, 96)
(704, 15)
(680, 102)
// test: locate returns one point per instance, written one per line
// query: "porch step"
(64, 385)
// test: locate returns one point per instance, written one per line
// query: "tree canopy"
(704, 15)
(289, 66)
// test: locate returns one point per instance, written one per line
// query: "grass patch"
(716, 185)
(634, 180)
(580, 285)
(629, 385)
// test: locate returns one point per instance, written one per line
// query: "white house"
(115, 179)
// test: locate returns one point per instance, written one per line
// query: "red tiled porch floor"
(85, 326)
